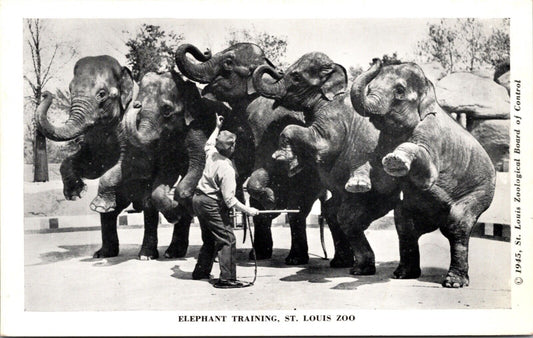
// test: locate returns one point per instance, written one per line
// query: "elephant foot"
(358, 184)
(363, 270)
(106, 251)
(406, 272)
(341, 262)
(296, 260)
(75, 191)
(260, 255)
(176, 250)
(397, 164)
(455, 280)
(103, 204)
(147, 254)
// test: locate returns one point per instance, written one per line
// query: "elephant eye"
(296, 77)
(399, 90)
(167, 110)
(101, 95)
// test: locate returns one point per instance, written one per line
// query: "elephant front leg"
(359, 180)
(106, 201)
(73, 186)
(415, 160)
(290, 136)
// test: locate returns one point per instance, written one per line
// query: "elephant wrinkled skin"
(337, 142)
(447, 178)
(257, 124)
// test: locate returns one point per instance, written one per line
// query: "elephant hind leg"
(108, 223)
(461, 220)
(343, 257)
(149, 246)
(180, 236)
(408, 236)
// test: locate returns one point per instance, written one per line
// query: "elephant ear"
(126, 87)
(192, 97)
(427, 104)
(336, 82)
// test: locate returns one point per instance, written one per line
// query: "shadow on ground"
(85, 253)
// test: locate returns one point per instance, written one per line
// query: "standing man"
(213, 198)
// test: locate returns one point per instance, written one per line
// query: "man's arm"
(227, 189)
(211, 141)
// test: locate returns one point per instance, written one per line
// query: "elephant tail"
(321, 226)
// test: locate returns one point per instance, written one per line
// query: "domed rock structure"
(482, 106)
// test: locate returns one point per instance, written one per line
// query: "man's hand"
(252, 211)
(220, 120)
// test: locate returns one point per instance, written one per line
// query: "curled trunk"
(273, 90)
(357, 94)
(75, 125)
(146, 133)
(203, 72)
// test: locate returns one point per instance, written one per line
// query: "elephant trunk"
(76, 124)
(147, 131)
(358, 95)
(203, 72)
(274, 90)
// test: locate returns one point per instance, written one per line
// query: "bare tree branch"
(47, 71)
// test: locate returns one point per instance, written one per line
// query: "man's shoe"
(230, 284)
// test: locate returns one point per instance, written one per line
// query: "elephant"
(166, 130)
(447, 178)
(228, 75)
(336, 141)
(101, 91)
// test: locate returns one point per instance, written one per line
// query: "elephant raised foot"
(358, 184)
(74, 190)
(455, 280)
(106, 251)
(405, 272)
(103, 203)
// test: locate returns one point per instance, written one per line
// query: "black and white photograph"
(251, 170)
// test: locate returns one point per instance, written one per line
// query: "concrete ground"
(61, 275)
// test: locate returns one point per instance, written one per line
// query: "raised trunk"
(273, 90)
(203, 72)
(357, 94)
(72, 128)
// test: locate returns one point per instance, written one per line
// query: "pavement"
(61, 275)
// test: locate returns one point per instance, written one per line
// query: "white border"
(15, 321)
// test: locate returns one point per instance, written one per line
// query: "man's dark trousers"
(217, 237)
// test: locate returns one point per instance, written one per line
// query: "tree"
(274, 46)
(152, 50)
(44, 56)
(498, 45)
(440, 45)
(464, 44)
(353, 72)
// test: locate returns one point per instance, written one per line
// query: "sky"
(350, 42)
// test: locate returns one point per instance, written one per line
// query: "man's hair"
(225, 142)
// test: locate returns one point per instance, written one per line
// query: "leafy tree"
(274, 46)
(440, 45)
(390, 59)
(152, 50)
(498, 45)
(464, 44)
(45, 56)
